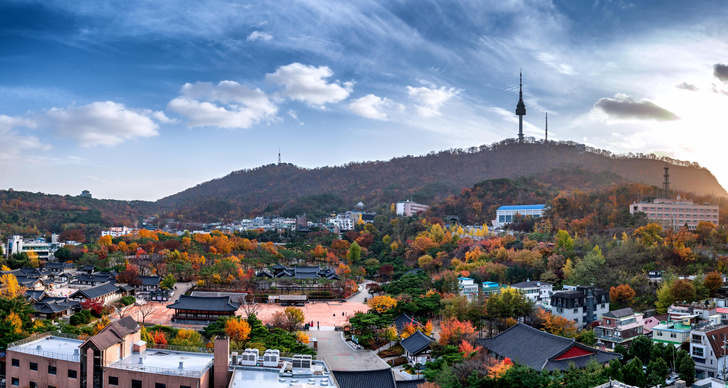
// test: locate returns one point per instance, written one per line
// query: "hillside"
(30, 214)
(289, 190)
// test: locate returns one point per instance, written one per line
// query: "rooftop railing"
(38, 336)
(163, 371)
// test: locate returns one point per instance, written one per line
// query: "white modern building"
(408, 208)
(536, 291)
(708, 350)
(506, 214)
(676, 213)
(117, 231)
(341, 221)
(468, 287)
(39, 246)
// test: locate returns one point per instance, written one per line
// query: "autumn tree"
(289, 319)
(454, 332)
(682, 290)
(557, 325)
(408, 330)
(10, 287)
(159, 338)
(713, 281)
(382, 303)
(302, 337)
(622, 295)
(237, 329)
(468, 350)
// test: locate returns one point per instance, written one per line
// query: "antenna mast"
(279, 155)
(547, 126)
(666, 184)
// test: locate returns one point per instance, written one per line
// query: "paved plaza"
(339, 356)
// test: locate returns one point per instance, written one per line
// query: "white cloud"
(293, 114)
(257, 35)
(103, 123)
(227, 105)
(13, 144)
(428, 101)
(308, 84)
(374, 107)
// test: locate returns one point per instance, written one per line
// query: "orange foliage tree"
(453, 332)
(500, 368)
(408, 330)
(558, 325)
(468, 350)
(622, 295)
(237, 329)
(159, 338)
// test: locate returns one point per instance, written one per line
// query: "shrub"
(81, 317)
(127, 300)
(397, 361)
(396, 350)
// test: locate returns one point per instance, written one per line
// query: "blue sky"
(140, 100)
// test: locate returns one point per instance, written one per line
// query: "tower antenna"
(547, 126)
(666, 184)
(520, 108)
(279, 156)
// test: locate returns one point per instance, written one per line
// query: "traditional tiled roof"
(382, 378)
(113, 334)
(95, 292)
(206, 303)
(52, 306)
(410, 383)
(150, 280)
(300, 272)
(94, 278)
(416, 343)
(34, 294)
(540, 350)
(619, 313)
(401, 321)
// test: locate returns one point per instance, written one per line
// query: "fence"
(163, 371)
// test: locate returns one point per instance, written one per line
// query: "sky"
(141, 100)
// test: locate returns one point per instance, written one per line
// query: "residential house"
(697, 313)
(538, 292)
(541, 350)
(619, 327)
(582, 304)
(489, 288)
(468, 288)
(708, 350)
(672, 332)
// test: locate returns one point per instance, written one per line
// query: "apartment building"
(408, 208)
(619, 327)
(581, 304)
(506, 214)
(676, 213)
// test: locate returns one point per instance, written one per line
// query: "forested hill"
(289, 190)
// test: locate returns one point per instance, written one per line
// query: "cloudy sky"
(140, 100)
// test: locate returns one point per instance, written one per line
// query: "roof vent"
(75, 352)
(38, 347)
(181, 365)
(141, 361)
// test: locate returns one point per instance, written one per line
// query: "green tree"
(657, 371)
(641, 347)
(615, 370)
(587, 337)
(587, 270)
(686, 369)
(633, 373)
(354, 253)
(168, 282)
(664, 297)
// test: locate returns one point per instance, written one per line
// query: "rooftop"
(51, 347)
(672, 326)
(260, 377)
(522, 207)
(166, 362)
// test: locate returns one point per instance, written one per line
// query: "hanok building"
(149, 284)
(581, 304)
(201, 309)
(541, 350)
(619, 327)
(104, 293)
(417, 347)
(299, 272)
(54, 307)
(403, 320)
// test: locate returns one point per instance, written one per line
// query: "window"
(33, 366)
(51, 370)
(160, 385)
(16, 363)
(184, 386)
(15, 381)
(33, 384)
(136, 384)
(72, 374)
(698, 352)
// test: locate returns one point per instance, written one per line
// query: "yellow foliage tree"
(302, 337)
(33, 259)
(382, 303)
(14, 322)
(408, 330)
(238, 330)
(10, 288)
(105, 240)
(101, 324)
(427, 329)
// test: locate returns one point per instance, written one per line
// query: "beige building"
(675, 213)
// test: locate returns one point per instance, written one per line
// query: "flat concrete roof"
(52, 347)
(244, 377)
(162, 361)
